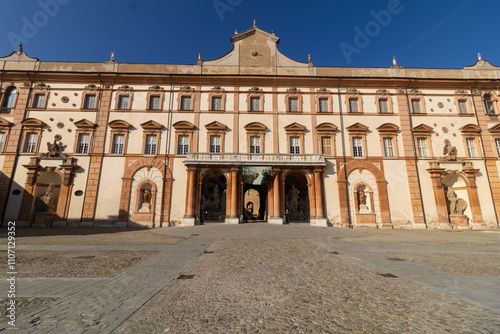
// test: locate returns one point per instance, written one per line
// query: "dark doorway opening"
(254, 203)
(297, 208)
(213, 198)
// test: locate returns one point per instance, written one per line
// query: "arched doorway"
(297, 207)
(254, 203)
(213, 197)
(46, 198)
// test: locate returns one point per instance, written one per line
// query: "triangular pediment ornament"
(18, 55)
(470, 128)
(151, 125)
(84, 124)
(215, 126)
(422, 128)
(5, 123)
(33, 122)
(119, 124)
(326, 127)
(495, 129)
(252, 31)
(184, 125)
(295, 127)
(357, 127)
(388, 127)
(255, 126)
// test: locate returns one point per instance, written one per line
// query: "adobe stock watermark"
(372, 29)
(30, 27)
(222, 6)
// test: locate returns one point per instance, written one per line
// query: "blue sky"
(420, 33)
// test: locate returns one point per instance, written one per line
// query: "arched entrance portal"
(46, 198)
(254, 203)
(297, 206)
(213, 197)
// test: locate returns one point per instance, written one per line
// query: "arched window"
(10, 98)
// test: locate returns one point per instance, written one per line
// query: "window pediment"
(422, 128)
(84, 123)
(388, 127)
(119, 124)
(4, 123)
(470, 128)
(33, 122)
(326, 127)
(184, 125)
(495, 129)
(151, 125)
(255, 126)
(357, 127)
(215, 126)
(295, 127)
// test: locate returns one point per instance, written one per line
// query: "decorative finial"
(20, 47)
(394, 61)
(254, 23)
(235, 31)
(199, 55)
(479, 57)
(308, 57)
(272, 32)
(112, 58)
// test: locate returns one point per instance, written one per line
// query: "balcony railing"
(255, 159)
(5, 110)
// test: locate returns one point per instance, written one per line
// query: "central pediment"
(255, 51)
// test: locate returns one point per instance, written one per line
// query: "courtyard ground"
(255, 278)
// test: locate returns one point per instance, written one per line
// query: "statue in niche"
(55, 149)
(216, 198)
(449, 151)
(293, 197)
(46, 202)
(457, 205)
(146, 201)
(362, 207)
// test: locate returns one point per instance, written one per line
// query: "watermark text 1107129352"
(11, 273)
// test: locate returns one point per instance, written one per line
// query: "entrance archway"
(213, 197)
(297, 207)
(254, 203)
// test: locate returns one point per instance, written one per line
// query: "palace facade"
(252, 136)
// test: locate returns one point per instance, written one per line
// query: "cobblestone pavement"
(259, 278)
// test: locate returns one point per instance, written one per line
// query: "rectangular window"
(294, 145)
(497, 143)
(422, 147)
(216, 103)
(471, 147)
(254, 144)
(383, 106)
(293, 104)
(31, 143)
(150, 144)
(353, 105)
(415, 106)
(255, 104)
(214, 144)
(90, 102)
(118, 144)
(186, 103)
(154, 103)
(39, 101)
(2, 139)
(388, 149)
(323, 105)
(83, 143)
(326, 145)
(123, 101)
(357, 147)
(488, 104)
(183, 145)
(462, 105)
